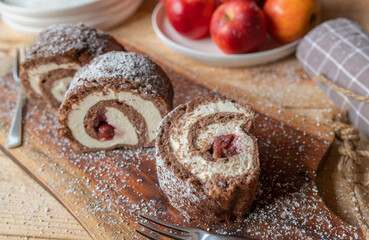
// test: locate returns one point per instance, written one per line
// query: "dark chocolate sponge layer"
(115, 87)
(207, 159)
(61, 47)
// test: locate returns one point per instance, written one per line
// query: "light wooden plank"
(27, 210)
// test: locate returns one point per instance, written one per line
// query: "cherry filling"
(104, 130)
(224, 146)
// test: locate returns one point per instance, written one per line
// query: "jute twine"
(351, 157)
(350, 160)
(321, 78)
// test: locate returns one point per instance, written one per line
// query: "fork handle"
(220, 237)
(15, 132)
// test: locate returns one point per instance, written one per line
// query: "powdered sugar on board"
(121, 184)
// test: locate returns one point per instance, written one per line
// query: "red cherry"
(224, 146)
(105, 131)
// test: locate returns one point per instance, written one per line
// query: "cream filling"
(200, 167)
(34, 75)
(115, 118)
(59, 87)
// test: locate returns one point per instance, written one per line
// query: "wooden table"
(27, 210)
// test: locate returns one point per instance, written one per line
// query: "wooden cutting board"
(106, 191)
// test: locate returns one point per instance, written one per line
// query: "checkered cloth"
(339, 49)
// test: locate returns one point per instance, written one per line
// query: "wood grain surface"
(137, 30)
(27, 210)
(105, 191)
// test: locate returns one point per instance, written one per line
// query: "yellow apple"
(289, 20)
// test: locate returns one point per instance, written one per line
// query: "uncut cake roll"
(207, 159)
(118, 100)
(55, 56)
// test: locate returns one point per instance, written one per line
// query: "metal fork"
(15, 132)
(187, 233)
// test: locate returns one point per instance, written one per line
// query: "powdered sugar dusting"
(63, 38)
(124, 70)
(117, 185)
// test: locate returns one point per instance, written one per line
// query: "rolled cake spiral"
(207, 158)
(55, 56)
(118, 100)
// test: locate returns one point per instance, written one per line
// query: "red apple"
(190, 18)
(289, 20)
(238, 27)
(259, 2)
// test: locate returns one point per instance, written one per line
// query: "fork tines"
(184, 230)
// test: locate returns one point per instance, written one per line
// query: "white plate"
(119, 17)
(47, 4)
(36, 21)
(118, 8)
(206, 51)
(104, 22)
(21, 28)
(66, 11)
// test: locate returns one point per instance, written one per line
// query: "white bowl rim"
(34, 12)
(87, 17)
(116, 19)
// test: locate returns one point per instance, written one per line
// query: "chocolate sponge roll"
(207, 159)
(55, 56)
(118, 100)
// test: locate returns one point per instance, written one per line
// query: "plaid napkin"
(339, 49)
